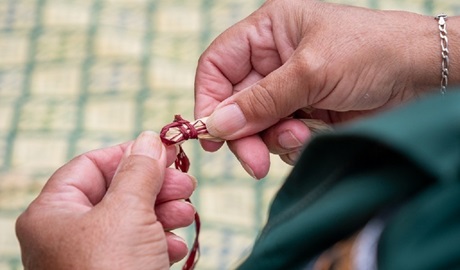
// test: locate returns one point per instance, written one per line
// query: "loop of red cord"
(182, 163)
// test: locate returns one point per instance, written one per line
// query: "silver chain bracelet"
(441, 18)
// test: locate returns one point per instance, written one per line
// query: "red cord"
(182, 163)
(195, 250)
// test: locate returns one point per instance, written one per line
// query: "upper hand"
(342, 61)
(109, 209)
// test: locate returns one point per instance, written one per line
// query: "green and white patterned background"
(82, 74)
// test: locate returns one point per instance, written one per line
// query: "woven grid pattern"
(82, 74)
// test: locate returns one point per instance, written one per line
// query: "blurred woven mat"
(82, 74)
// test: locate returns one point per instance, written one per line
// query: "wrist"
(424, 48)
(453, 34)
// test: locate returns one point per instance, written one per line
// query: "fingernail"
(248, 169)
(177, 238)
(194, 181)
(226, 121)
(191, 205)
(176, 148)
(293, 156)
(288, 141)
(148, 144)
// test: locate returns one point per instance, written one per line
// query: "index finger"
(238, 58)
(243, 48)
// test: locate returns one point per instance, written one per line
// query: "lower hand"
(110, 209)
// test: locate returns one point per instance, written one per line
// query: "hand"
(109, 209)
(344, 62)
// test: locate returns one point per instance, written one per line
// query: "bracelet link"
(442, 18)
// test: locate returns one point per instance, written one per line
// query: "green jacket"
(405, 162)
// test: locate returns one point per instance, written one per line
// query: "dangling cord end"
(176, 133)
(195, 250)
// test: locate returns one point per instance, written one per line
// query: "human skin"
(343, 62)
(110, 209)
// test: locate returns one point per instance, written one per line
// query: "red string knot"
(181, 130)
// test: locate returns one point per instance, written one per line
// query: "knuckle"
(310, 71)
(262, 102)
(304, 64)
(24, 222)
(20, 224)
(139, 165)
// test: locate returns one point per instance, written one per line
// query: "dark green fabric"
(409, 157)
(425, 234)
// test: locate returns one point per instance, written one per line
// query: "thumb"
(140, 174)
(259, 106)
